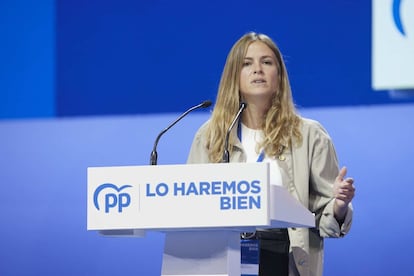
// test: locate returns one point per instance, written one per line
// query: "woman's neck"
(254, 115)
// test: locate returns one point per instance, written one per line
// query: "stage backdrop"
(74, 58)
(43, 204)
(95, 81)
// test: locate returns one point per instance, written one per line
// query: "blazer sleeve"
(323, 171)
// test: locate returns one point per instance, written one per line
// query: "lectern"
(202, 209)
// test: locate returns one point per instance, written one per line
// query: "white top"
(250, 138)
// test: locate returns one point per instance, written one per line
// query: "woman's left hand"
(344, 192)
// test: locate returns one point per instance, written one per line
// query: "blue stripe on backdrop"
(43, 205)
(27, 58)
(128, 57)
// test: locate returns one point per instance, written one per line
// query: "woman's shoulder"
(203, 128)
(311, 127)
(201, 133)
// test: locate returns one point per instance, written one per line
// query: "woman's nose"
(257, 69)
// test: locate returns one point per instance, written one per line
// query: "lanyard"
(239, 135)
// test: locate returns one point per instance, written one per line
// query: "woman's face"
(259, 74)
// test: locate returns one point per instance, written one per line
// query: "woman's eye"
(267, 62)
(247, 63)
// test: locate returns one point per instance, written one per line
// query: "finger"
(342, 197)
(349, 180)
(348, 196)
(346, 191)
(347, 188)
(345, 197)
(342, 173)
(347, 183)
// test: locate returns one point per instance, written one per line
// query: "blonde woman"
(299, 150)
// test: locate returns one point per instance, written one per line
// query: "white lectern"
(202, 208)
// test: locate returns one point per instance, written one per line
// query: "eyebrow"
(262, 57)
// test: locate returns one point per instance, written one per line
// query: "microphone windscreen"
(206, 103)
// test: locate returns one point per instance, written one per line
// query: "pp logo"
(113, 197)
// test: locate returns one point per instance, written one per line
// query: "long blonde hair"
(281, 121)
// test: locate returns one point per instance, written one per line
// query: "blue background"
(75, 58)
(92, 84)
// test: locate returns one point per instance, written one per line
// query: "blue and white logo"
(392, 45)
(112, 197)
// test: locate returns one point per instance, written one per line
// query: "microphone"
(226, 154)
(154, 154)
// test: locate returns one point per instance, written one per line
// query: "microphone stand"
(226, 153)
(154, 154)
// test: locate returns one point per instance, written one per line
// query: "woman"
(299, 150)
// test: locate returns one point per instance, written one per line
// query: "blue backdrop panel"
(27, 58)
(115, 57)
(43, 205)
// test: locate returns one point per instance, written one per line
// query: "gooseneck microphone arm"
(154, 154)
(226, 154)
